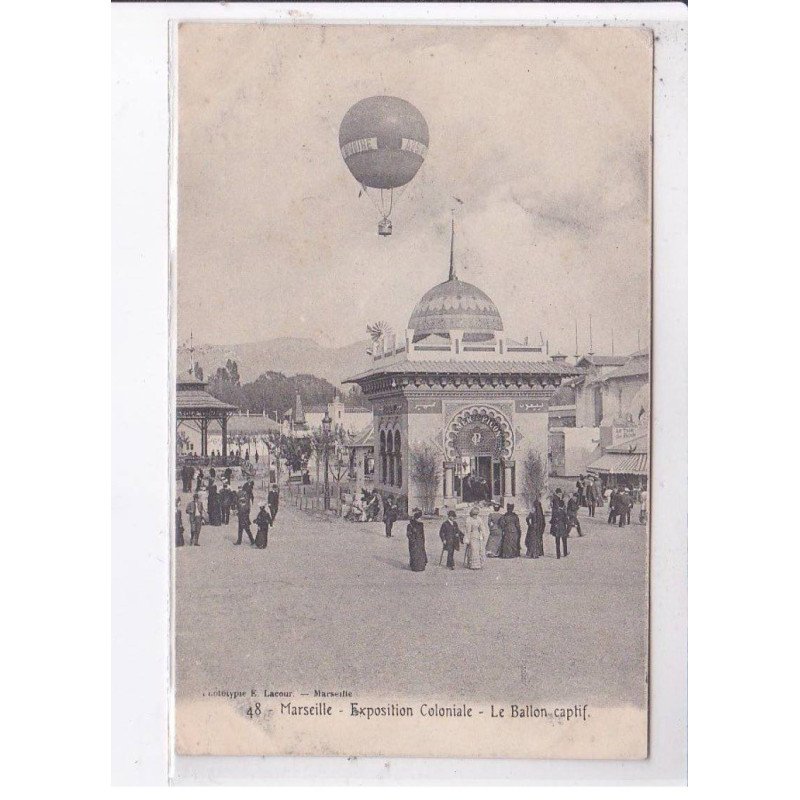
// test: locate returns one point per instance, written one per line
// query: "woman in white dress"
(475, 539)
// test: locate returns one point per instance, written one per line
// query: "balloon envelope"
(383, 141)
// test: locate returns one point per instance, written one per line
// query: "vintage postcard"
(412, 390)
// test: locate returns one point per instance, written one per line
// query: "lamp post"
(326, 433)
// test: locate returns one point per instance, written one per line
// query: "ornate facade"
(459, 392)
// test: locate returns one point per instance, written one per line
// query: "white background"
(55, 320)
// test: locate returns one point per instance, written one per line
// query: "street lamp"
(326, 432)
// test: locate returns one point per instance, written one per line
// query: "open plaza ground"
(332, 605)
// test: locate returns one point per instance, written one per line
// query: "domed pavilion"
(459, 388)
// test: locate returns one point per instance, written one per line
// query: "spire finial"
(453, 276)
(191, 353)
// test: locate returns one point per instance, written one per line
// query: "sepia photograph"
(411, 367)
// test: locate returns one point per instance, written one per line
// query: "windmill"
(378, 332)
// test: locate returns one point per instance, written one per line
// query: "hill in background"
(291, 356)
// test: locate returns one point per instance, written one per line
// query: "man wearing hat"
(558, 523)
(243, 509)
(273, 498)
(195, 513)
(390, 515)
(451, 537)
(226, 498)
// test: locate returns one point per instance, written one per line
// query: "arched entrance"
(479, 446)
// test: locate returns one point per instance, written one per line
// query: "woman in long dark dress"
(214, 506)
(263, 521)
(536, 525)
(415, 531)
(178, 524)
(512, 533)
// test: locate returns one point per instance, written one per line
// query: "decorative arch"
(484, 420)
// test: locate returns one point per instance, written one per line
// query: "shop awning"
(620, 464)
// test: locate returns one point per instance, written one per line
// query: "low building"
(605, 406)
(457, 405)
(343, 417)
(199, 415)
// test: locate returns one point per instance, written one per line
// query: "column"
(224, 422)
(204, 437)
(448, 480)
(508, 466)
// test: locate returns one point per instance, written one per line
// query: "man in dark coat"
(228, 474)
(214, 506)
(572, 514)
(558, 523)
(199, 480)
(591, 497)
(225, 502)
(186, 479)
(273, 498)
(178, 524)
(243, 511)
(624, 503)
(415, 532)
(613, 507)
(512, 533)
(390, 515)
(580, 486)
(451, 537)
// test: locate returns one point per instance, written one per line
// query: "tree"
(232, 368)
(295, 451)
(425, 472)
(271, 392)
(336, 441)
(182, 442)
(198, 371)
(533, 478)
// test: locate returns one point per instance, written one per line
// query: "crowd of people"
(501, 535)
(366, 508)
(213, 503)
(214, 500)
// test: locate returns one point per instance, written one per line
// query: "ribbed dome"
(455, 305)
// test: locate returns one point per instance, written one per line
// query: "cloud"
(543, 133)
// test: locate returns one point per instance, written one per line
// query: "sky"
(544, 134)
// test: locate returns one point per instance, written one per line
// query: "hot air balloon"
(383, 141)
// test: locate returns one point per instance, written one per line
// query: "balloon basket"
(385, 227)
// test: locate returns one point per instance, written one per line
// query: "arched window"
(398, 471)
(383, 457)
(390, 457)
